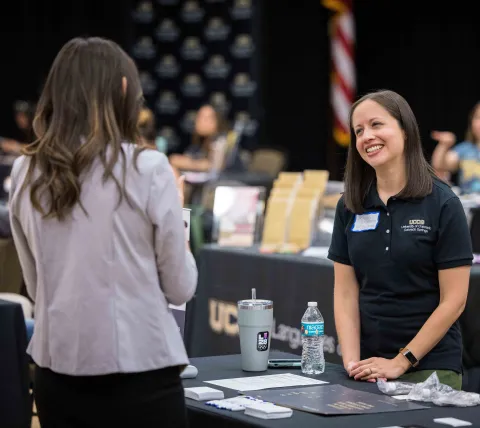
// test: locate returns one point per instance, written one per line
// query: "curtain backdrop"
(196, 52)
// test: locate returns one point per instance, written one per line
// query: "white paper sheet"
(256, 383)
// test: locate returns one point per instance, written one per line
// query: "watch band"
(409, 356)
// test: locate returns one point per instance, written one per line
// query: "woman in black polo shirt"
(402, 252)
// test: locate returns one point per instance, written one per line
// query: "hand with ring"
(379, 368)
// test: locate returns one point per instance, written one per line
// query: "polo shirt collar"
(372, 200)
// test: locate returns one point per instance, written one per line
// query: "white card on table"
(454, 422)
(364, 222)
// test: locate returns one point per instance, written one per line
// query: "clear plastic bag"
(394, 388)
(442, 395)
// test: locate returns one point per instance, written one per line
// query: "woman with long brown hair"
(401, 250)
(208, 143)
(98, 226)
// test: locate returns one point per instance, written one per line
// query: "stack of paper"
(266, 410)
(202, 393)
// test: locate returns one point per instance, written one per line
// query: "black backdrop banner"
(194, 52)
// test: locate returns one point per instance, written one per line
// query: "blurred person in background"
(148, 131)
(207, 150)
(97, 223)
(24, 113)
(463, 158)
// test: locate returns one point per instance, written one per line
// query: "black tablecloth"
(227, 275)
(15, 401)
(210, 368)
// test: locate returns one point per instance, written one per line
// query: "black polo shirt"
(396, 251)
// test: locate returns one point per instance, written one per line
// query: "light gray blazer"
(102, 283)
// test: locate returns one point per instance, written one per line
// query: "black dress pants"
(141, 400)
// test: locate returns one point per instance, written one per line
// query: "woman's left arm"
(453, 256)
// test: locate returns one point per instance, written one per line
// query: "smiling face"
(380, 141)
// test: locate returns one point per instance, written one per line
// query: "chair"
(268, 160)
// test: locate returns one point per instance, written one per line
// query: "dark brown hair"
(222, 128)
(469, 134)
(359, 176)
(83, 113)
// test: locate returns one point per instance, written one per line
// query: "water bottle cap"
(312, 304)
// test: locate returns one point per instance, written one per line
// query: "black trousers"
(141, 400)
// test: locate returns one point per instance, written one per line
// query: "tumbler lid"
(257, 304)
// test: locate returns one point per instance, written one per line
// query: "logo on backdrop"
(167, 103)
(416, 225)
(216, 67)
(223, 319)
(250, 125)
(188, 121)
(167, 31)
(242, 86)
(220, 102)
(192, 12)
(149, 85)
(192, 49)
(216, 29)
(243, 46)
(168, 67)
(144, 13)
(192, 86)
(144, 48)
(242, 9)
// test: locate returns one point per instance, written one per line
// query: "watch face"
(410, 357)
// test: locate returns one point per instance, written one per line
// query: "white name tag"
(365, 222)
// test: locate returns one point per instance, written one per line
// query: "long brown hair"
(84, 113)
(359, 175)
(222, 128)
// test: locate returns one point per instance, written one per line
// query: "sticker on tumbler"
(312, 329)
(262, 341)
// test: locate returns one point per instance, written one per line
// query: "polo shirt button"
(386, 249)
(388, 231)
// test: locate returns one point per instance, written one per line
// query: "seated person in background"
(464, 157)
(208, 143)
(148, 131)
(24, 114)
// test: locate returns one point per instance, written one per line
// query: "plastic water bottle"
(313, 360)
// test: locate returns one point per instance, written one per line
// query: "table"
(222, 367)
(227, 275)
(15, 399)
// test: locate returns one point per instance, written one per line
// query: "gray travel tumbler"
(255, 319)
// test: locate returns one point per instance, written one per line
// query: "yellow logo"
(416, 222)
(223, 317)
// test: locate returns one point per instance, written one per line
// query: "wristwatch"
(409, 356)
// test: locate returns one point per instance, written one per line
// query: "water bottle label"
(312, 329)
